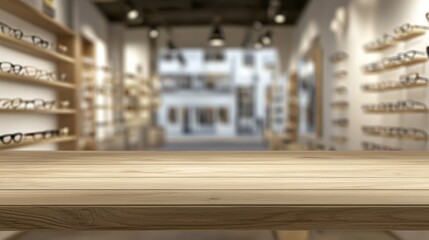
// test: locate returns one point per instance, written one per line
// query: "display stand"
(65, 63)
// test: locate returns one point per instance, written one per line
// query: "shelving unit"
(386, 87)
(397, 87)
(31, 49)
(413, 34)
(65, 63)
(33, 81)
(42, 142)
(397, 111)
(40, 111)
(87, 94)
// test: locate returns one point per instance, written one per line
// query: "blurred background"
(221, 75)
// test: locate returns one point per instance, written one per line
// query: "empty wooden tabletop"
(214, 190)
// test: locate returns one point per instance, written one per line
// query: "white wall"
(367, 20)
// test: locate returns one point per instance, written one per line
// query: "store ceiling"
(199, 12)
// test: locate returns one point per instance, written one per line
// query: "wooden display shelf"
(409, 63)
(398, 87)
(406, 64)
(397, 111)
(29, 48)
(214, 190)
(40, 111)
(34, 81)
(34, 143)
(413, 34)
(416, 139)
(381, 47)
(34, 16)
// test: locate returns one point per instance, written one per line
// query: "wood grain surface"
(214, 190)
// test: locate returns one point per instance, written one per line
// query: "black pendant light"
(216, 38)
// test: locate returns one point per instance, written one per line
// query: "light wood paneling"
(214, 190)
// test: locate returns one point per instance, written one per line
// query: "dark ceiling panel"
(199, 12)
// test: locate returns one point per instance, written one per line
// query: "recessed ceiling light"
(153, 33)
(133, 14)
(279, 18)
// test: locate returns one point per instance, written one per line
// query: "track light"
(280, 18)
(267, 39)
(153, 33)
(216, 38)
(133, 14)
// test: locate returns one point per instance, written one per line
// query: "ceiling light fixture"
(133, 14)
(267, 39)
(259, 44)
(216, 38)
(280, 18)
(153, 33)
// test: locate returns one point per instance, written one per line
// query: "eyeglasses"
(340, 104)
(406, 80)
(17, 138)
(377, 147)
(12, 32)
(338, 57)
(412, 78)
(342, 122)
(37, 136)
(33, 72)
(385, 40)
(402, 58)
(373, 67)
(341, 90)
(406, 29)
(341, 74)
(36, 40)
(396, 132)
(8, 67)
(396, 106)
(18, 103)
(11, 138)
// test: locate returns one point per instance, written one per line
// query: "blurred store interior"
(215, 75)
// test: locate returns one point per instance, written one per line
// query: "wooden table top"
(214, 190)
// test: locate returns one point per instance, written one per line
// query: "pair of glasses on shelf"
(35, 40)
(38, 103)
(340, 104)
(403, 58)
(370, 146)
(16, 138)
(385, 40)
(398, 132)
(407, 29)
(342, 122)
(395, 106)
(341, 74)
(373, 67)
(28, 71)
(341, 90)
(405, 80)
(338, 57)
(412, 79)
